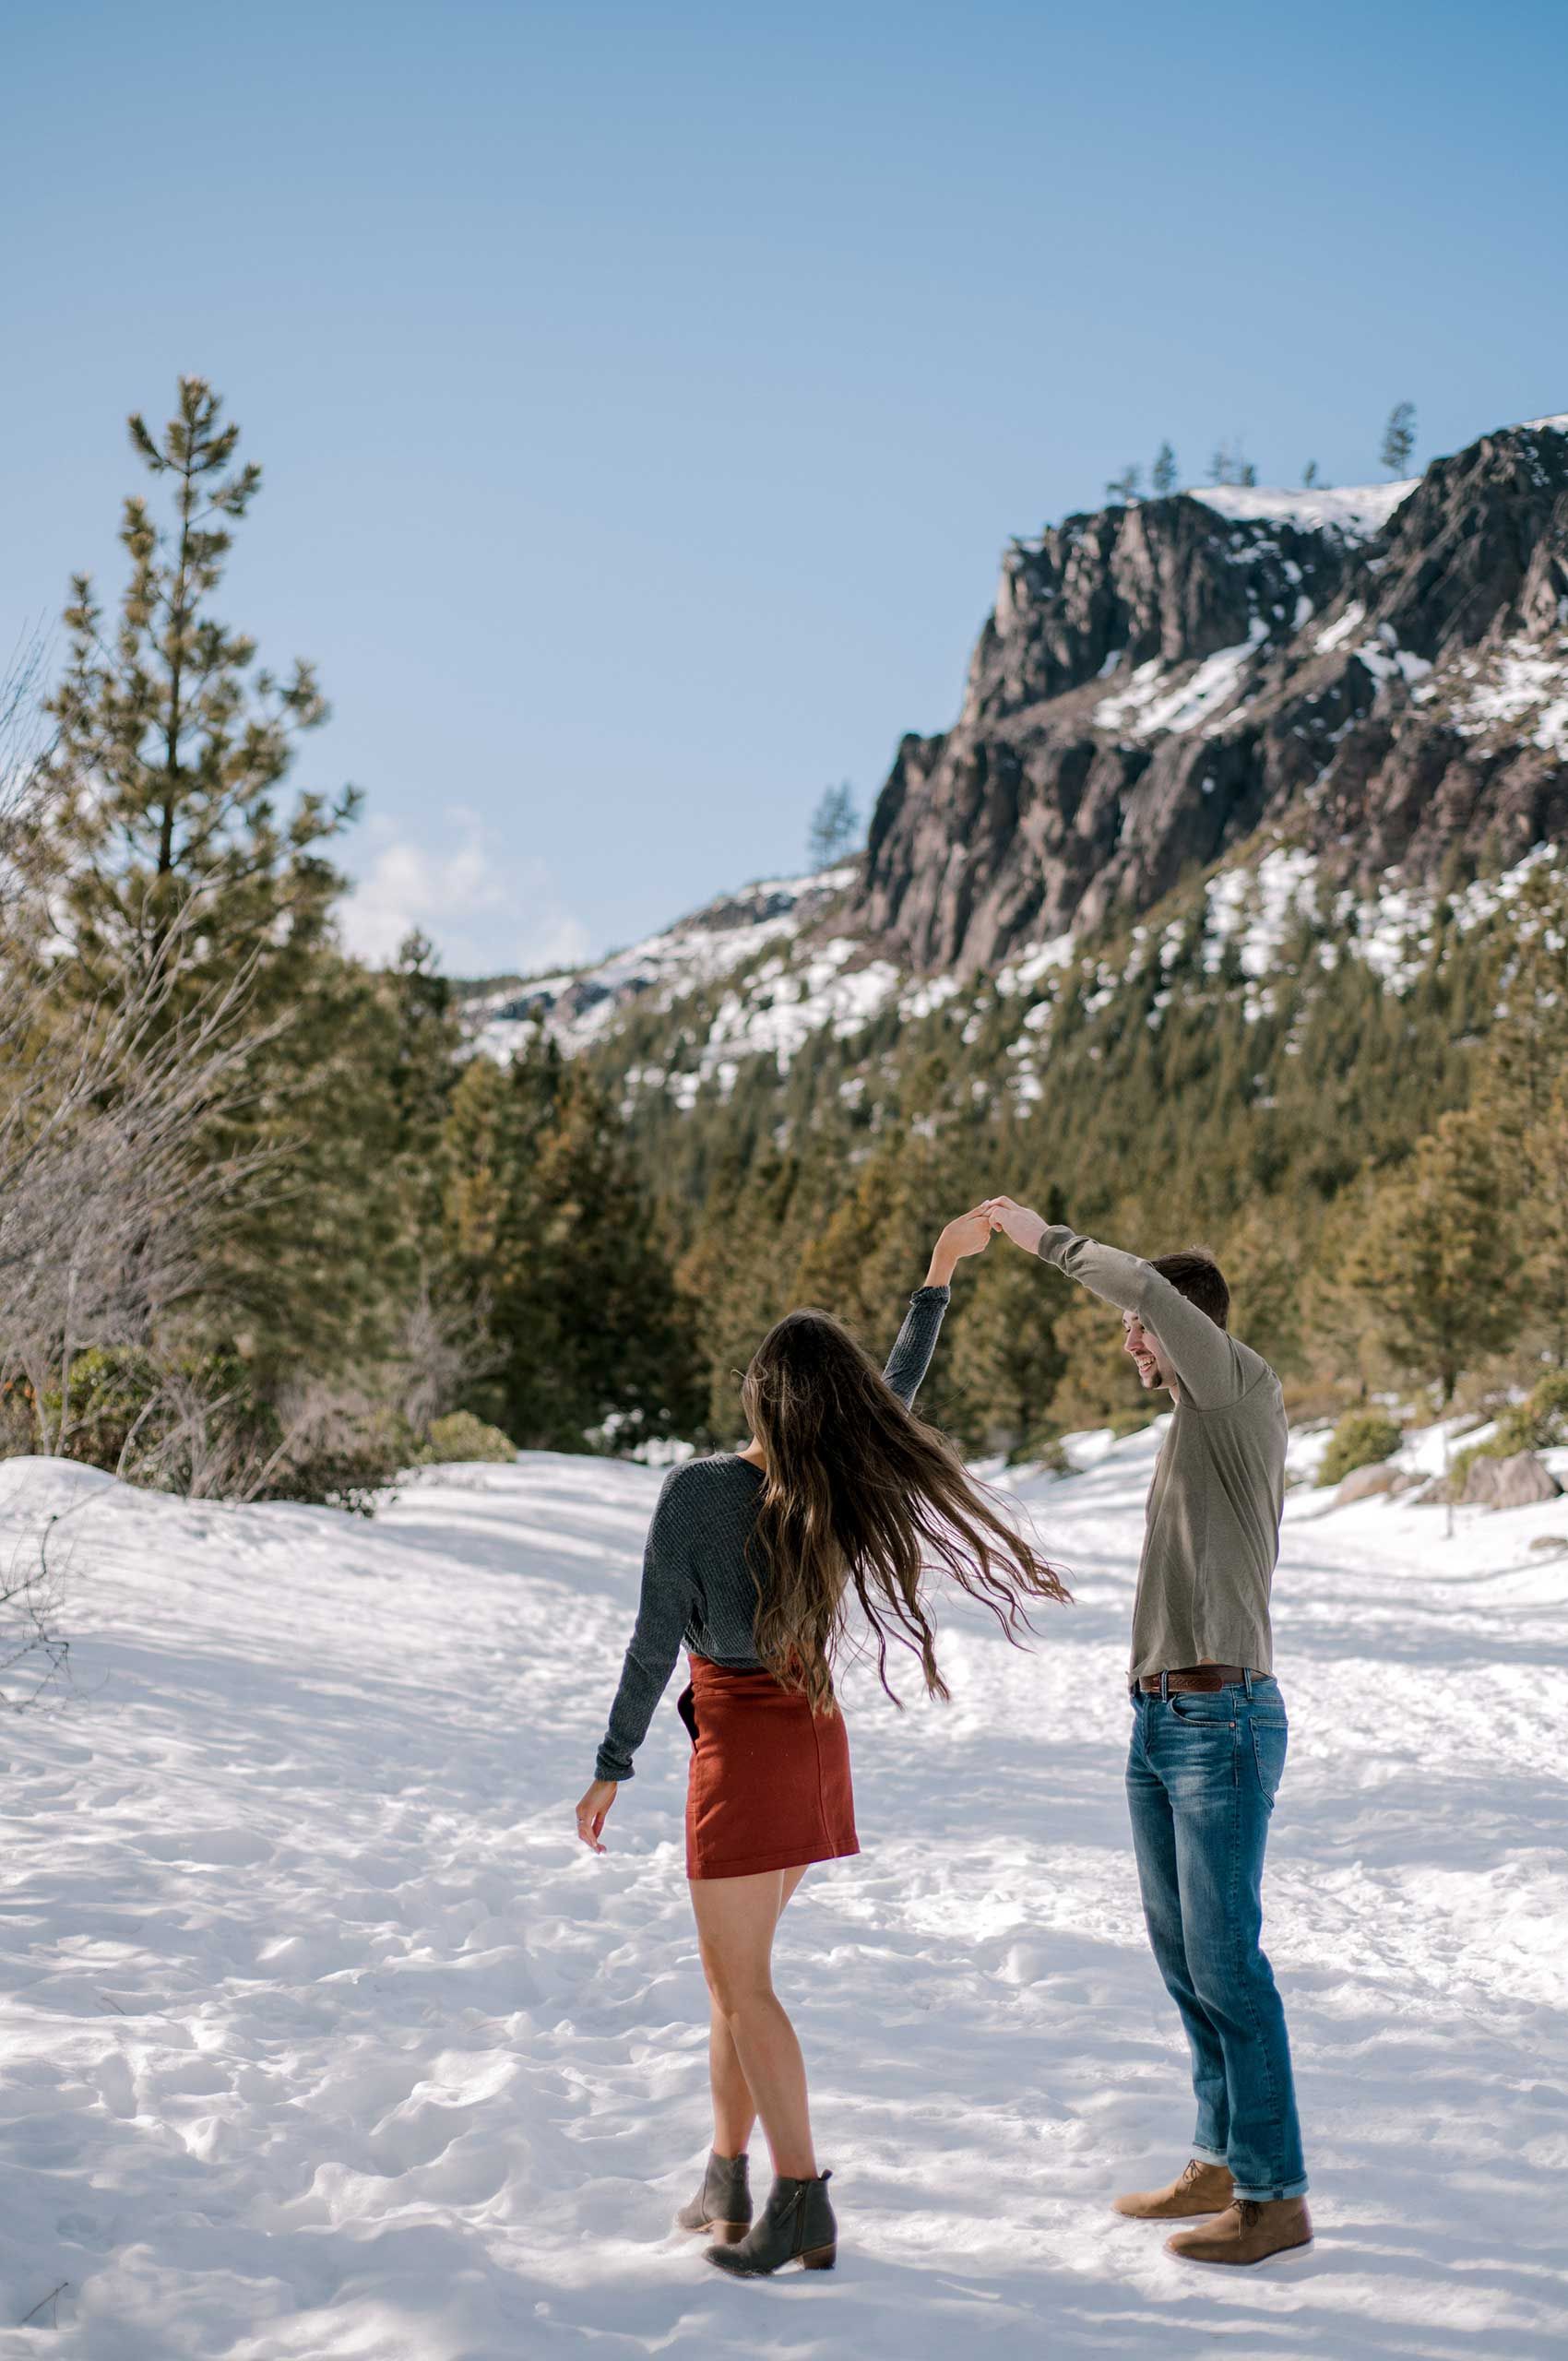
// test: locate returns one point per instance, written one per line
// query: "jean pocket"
(1270, 1739)
(1202, 1709)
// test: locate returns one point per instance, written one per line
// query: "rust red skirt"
(768, 1786)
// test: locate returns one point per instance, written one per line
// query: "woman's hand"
(1025, 1229)
(970, 1234)
(592, 1812)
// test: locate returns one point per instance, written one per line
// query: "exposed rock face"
(1385, 673)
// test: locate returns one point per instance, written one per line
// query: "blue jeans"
(1202, 1774)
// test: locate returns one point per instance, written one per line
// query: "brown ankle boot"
(1247, 2231)
(1200, 2188)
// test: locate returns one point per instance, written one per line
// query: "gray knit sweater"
(697, 1589)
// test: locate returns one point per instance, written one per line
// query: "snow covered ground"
(321, 2039)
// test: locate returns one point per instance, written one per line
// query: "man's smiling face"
(1144, 1346)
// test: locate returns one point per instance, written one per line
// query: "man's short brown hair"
(1195, 1274)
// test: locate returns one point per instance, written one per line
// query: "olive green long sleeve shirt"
(1211, 1536)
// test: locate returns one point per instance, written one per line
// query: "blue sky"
(645, 392)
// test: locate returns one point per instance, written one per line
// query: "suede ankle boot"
(1200, 2188)
(1250, 2230)
(723, 2204)
(797, 2225)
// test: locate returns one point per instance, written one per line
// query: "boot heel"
(820, 2257)
(728, 2234)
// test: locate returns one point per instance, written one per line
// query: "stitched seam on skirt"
(821, 1802)
(753, 1864)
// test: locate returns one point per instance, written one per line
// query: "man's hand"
(969, 1234)
(592, 1813)
(1017, 1222)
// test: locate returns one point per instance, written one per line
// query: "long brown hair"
(861, 1493)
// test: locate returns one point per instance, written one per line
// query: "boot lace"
(1248, 2209)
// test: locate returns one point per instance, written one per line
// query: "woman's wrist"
(941, 1269)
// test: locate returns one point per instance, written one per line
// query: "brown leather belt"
(1197, 1675)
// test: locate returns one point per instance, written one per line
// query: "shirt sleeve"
(1207, 1362)
(911, 1357)
(664, 1609)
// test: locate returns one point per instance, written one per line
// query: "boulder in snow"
(1514, 1483)
(1364, 1483)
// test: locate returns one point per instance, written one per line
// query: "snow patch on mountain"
(1254, 909)
(1522, 691)
(1344, 627)
(1356, 512)
(579, 1005)
(1146, 708)
(777, 1011)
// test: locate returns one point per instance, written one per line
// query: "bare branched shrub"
(110, 1202)
(25, 746)
(444, 1349)
(197, 1436)
(33, 1650)
(335, 1444)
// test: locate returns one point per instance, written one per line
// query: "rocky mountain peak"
(1382, 671)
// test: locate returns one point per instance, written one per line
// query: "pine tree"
(182, 879)
(1437, 1260)
(1309, 474)
(553, 1230)
(1164, 473)
(315, 1264)
(737, 1272)
(1124, 488)
(610, 1352)
(835, 825)
(1399, 439)
(1543, 1223)
(875, 1248)
(1099, 1387)
(1003, 1361)
(427, 1044)
(1265, 1278)
(1528, 1046)
(1229, 466)
(171, 748)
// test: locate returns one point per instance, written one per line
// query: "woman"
(751, 1558)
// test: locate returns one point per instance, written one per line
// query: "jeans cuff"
(1208, 2155)
(1272, 2195)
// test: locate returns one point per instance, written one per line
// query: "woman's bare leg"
(734, 2108)
(735, 1931)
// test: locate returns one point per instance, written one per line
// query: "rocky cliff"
(1381, 675)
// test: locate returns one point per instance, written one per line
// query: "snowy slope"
(321, 2039)
(783, 983)
(580, 1004)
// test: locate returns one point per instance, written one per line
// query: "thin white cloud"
(487, 911)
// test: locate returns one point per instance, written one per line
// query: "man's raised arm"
(1206, 1360)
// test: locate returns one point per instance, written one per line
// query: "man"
(1209, 1734)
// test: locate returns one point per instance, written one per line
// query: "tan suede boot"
(1247, 2232)
(1200, 2188)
